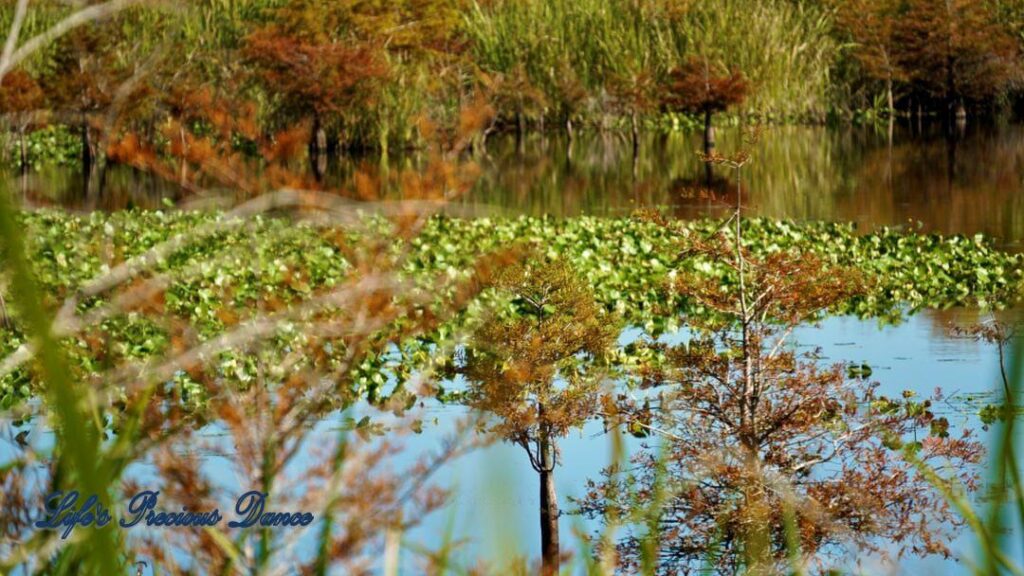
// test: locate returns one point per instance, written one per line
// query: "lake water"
(918, 178)
(972, 182)
(493, 511)
(496, 492)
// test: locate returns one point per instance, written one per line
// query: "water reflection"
(964, 184)
(492, 513)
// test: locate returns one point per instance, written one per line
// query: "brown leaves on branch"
(325, 78)
(535, 369)
(756, 437)
(515, 362)
(956, 49)
(20, 93)
(940, 53)
(699, 86)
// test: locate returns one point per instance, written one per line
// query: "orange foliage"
(312, 72)
(698, 86)
(19, 92)
(751, 430)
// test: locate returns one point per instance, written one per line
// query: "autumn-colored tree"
(702, 87)
(871, 25)
(632, 96)
(303, 61)
(570, 93)
(81, 82)
(532, 367)
(20, 96)
(955, 52)
(766, 455)
(513, 94)
(410, 28)
(93, 83)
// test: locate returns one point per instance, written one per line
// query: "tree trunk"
(183, 168)
(96, 178)
(888, 96)
(951, 156)
(24, 151)
(520, 133)
(709, 147)
(317, 149)
(5, 319)
(548, 508)
(635, 130)
(960, 118)
(709, 133)
(950, 88)
(636, 148)
(100, 185)
(87, 156)
(333, 145)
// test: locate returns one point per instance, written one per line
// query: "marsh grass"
(784, 48)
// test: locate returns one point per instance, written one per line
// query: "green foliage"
(783, 48)
(543, 59)
(626, 262)
(54, 145)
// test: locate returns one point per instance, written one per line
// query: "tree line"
(357, 74)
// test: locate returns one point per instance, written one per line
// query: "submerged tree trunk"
(709, 133)
(99, 182)
(333, 149)
(960, 118)
(520, 133)
(24, 151)
(94, 164)
(548, 507)
(709, 147)
(5, 319)
(88, 157)
(950, 95)
(635, 132)
(888, 96)
(318, 149)
(952, 144)
(183, 167)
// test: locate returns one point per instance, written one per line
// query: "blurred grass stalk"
(79, 458)
(1006, 508)
(996, 530)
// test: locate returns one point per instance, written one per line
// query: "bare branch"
(76, 19)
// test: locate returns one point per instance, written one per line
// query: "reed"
(784, 48)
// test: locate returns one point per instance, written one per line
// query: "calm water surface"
(493, 512)
(496, 495)
(970, 183)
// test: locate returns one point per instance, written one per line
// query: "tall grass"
(784, 48)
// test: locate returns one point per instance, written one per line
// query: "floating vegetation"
(269, 264)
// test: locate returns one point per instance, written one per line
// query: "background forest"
(365, 74)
